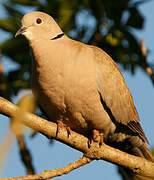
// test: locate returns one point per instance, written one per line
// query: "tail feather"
(147, 153)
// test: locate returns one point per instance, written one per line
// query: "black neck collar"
(58, 36)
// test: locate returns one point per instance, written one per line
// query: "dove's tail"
(146, 152)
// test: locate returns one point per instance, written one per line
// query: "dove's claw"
(68, 131)
(61, 125)
(96, 137)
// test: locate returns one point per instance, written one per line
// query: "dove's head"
(37, 25)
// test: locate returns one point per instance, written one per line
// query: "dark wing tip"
(136, 127)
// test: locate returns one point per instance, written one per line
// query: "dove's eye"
(38, 21)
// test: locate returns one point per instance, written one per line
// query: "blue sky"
(46, 156)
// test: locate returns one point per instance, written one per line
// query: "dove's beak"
(21, 31)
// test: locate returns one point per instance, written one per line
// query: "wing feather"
(115, 93)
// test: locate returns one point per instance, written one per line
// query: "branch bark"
(77, 141)
(54, 173)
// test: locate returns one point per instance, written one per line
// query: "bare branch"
(25, 155)
(77, 141)
(143, 48)
(53, 173)
(144, 54)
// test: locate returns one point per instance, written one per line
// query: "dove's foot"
(96, 137)
(61, 125)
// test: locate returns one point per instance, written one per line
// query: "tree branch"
(77, 141)
(144, 54)
(54, 173)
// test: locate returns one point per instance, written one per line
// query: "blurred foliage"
(105, 23)
(26, 103)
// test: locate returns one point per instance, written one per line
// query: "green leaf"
(135, 19)
(17, 49)
(8, 25)
(27, 2)
(12, 11)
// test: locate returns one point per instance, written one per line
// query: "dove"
(80, 86)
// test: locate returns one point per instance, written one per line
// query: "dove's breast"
(66, 89)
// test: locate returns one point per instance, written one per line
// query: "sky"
(46, 156)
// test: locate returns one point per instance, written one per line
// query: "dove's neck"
(49, 54)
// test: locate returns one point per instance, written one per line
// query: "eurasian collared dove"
(81, 86)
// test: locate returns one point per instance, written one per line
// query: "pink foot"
(61, 125)
(96, 137)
